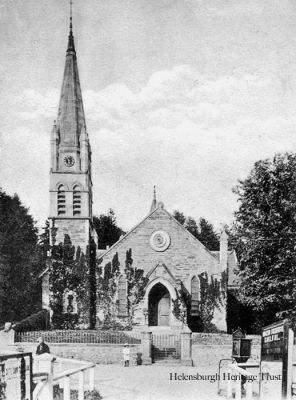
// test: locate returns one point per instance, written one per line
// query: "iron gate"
(166, 347)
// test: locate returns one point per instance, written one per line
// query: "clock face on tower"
(69, 161)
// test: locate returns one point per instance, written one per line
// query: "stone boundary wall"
(223, 339)
(96, 353)
(208, 349)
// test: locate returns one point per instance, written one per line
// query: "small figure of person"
(126, 355)
(42, 347)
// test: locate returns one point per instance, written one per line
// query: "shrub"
(92, 395)
(58, 394)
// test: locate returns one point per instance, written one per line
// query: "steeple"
(154, 202)
(70, 172)
(70, 120)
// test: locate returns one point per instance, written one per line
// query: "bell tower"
(70, 170)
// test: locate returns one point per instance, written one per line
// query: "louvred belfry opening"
(76, 200)
(61, 201)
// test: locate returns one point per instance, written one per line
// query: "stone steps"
(167, 361)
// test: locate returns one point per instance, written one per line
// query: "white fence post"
(81, 386)
(249, 390)
(67, 388)
(92, 378)
(238, 388)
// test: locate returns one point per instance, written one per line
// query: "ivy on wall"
(69, 272)
(182, 302)
(136, 283)
(106, 289)
(212, 296)
(107, 284)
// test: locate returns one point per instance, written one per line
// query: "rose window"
(160, 241)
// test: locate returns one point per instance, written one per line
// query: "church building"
(165, 277)
(158, 275)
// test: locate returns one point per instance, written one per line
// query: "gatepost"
(186, 348)
(7, 337)
(146, 340)
(276, 361)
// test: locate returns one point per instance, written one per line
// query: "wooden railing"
(234, 380)
(53, 376)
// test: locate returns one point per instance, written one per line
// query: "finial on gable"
(154, 202)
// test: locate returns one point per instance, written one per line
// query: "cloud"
(192, 135)
(34, 105)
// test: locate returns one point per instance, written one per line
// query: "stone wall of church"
(185, 256)
(77, 229)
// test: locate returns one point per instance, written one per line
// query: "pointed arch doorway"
(159, 305)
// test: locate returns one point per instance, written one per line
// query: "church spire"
(70, 120)
(154, 202)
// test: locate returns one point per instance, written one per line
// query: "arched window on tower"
(61, 203)
(76, 200)
(195, 296)
(122, 296)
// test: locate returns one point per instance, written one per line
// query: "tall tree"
(207, 235)
(179, 216)
(265, 232)
(43, 243)
(20, 267)
(203, 230)
(107, 229)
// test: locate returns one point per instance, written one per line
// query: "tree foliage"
(203, 230)
(265, 233)
(107, 230)
(19, 260)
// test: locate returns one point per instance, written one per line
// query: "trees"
(107, 229)
(203, 230)
(19, 265)
(264, 233)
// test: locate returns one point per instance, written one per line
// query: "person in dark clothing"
(42, 347)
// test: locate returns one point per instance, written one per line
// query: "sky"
(182, 94)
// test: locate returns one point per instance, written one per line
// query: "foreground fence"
(81, 336)
(16, 376)
(235, 381)
(61, 378)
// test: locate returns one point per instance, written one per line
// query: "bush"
(58, 394)
(65, 321)
(92, 395)
(34, 322)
